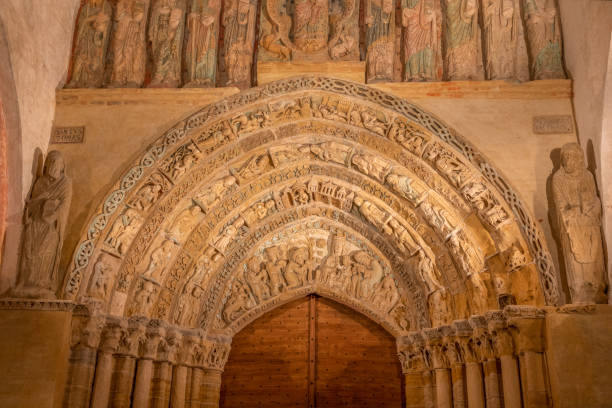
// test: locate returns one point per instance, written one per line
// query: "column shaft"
(458, 386)
(160, 385)
(493, 398)
(102, 380)
(123, 379)
(142, 389)
(80, 377)
(210, 388)
(533, 378)
(443, 388)
(179, 385)
(429, 395)
(415, 391)
(511, 382)
(196, 381)
(475, 391)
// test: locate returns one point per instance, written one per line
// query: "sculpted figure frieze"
(44, 227)
(463, 60)
(422, 40)
(166, 29)
(102, 277)
(238, 42)
(380, 40)
(128, 47)
(91, 44)
(159, 259)
(124, 230)
(544, 39)
(578, 215)
(201, 47)
(504, 44)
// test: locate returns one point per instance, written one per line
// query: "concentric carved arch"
(204, 195)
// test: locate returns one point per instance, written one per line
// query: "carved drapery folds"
(405, 221)
(188, 43)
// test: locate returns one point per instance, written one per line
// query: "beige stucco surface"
(34, 353)
(120, 124)
(579, 380)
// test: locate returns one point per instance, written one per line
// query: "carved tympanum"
(578, 214)
(45, 217)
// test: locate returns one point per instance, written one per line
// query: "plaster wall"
(497, 118)
(37, 43)
(34, 354)
(587, 30)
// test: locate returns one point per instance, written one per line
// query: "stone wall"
(37, 44)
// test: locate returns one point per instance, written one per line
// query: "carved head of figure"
(299, 255)
(572, 158)
(54, 165)
(253, 264)
(362, 258)
(272, 253)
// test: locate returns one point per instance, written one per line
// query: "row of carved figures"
(207, 43)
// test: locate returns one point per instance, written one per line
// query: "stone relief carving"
(379, 40)
(202, 38)
(544, 39)
(92, 34)
(422, 40)
(166, 27)
(44, 224)
(480, 294)
(159, 259)
(103, 277)
(128, 47)
(504, 44)
(578, 213)
(463, 60)
(124, 231)
(144, 298)
(238, 42)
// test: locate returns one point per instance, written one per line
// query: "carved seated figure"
(298, 268)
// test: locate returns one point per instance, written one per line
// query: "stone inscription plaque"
(61, 135)
(552, 124)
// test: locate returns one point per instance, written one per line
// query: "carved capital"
(436, 347)
(151, 341)
(526, 325)
(503, 344)
(132, 337)
(187, 350)
(87, 330)
(169, 346)
(217, 355)
(112, 334)
(410, 352)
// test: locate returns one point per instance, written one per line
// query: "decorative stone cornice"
(526, 325)
(36, 304)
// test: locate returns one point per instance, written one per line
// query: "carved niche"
(309, 30)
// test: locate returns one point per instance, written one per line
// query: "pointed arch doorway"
(312, 352)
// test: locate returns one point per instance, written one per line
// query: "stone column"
(181, 389)
(410, 353)
(473, 372)
(526, 325)
(111, 337)
(457, 366)
(179, 383)
(504, 350)
(437, 350)
(125, 363)
(429, 396)
(162, 375)
(144, 371)
(487, 358)
(210, 388)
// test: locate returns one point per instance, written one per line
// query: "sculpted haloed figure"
(578, 212)
(380, 39)
(422, 49)
(201, 49)
(238, 42)
(310, 24)
(92, 35)
(45, 217)
(166, 39)
(504, 42)
(544, 39)
(128, 44)
(464, 55)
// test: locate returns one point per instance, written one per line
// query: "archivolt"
(394, 154)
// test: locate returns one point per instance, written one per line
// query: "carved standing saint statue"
(380, 40)
(422, 36)
(202, 37)
(504, 40)
(166, 39)
(310, 24)
(93, 29)
(544, 39)
(45, 216)
(578, 213)
(238, 42)
(128, 47)
(463, 60)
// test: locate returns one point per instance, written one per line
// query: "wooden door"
(355, 363)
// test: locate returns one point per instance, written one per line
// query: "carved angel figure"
(463, 60)
(380, 40)
(93, 31)
(45, 217)
(422, 40)
(504, 41)
(128, 44)
(578, 213)
(238, 41)
(202, 38)
(544, 39)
